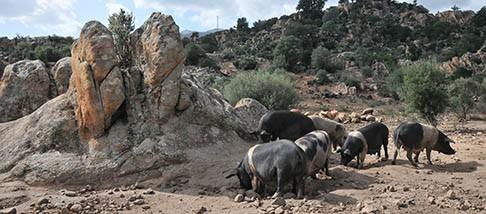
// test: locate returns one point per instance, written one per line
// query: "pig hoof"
(394, 163)
(276, 195)
(430, 163)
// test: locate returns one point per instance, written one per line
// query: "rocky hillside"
(358, 35)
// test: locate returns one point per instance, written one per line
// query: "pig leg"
(386, 151)
(427, 152)
(416, 158)
(299, 182)
(280, 183)
(257, 185)
(327, 167)
(409, 156)
(394, 161)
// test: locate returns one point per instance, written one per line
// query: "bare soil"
(453, 184)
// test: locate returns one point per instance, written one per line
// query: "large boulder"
(117, 125)
(250, 110)
(97, 80)
(24, 87)
(61, 72)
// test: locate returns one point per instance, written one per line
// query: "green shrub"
(246, 63)
(209, 43)
(193, 54)
(322, 78)
(424, 89)
(351, 81)
(461, 72)
(367, 71)
(287, 53)
(320, 57)
(461, 96)
(208, 63)
(273, 89)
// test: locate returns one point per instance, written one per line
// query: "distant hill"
(188, 33)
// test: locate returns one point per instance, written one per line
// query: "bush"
(209, 43)
(461, 72)
(287, 53)
(193, 54)
(322, 78)
(424, 89)
(367, 71)
(273, 89)
(246, 63)
(461, 96)
(320, 57)
(208, 62)
(351, 81)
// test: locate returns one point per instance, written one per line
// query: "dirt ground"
(453, 184)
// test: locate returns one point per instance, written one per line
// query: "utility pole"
(217, 22)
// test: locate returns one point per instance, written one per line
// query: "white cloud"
(114, 7)
(50, 16)
(204, 13)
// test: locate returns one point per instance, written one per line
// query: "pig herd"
(297, 146)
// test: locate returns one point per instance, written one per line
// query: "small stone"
(65, 210)
(149, 192)
(42, 201)
(202, 210)
(70, 193)
(139, 202)
(279, 210)
(145, 207)
(76, 208)
(110, 192)
(369, 209)
(11, 210)
(116, 189)
(431, 200)
(451, 194)
(138, 186)
(279, 202)
(406, 189)
(239, 198)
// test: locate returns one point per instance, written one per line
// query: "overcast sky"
(66, 17)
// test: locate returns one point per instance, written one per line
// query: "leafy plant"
(273, 89)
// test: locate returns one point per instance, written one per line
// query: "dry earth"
(454, 184)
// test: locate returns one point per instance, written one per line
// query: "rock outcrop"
(61, 73)
(120, 125)
(251, 111)
(97, 80)
(24, 87)
(475, 62)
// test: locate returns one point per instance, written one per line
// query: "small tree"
(424, 89)
(455, 8)
(461, 96)
(287, 53)
(121, 24)
(311, 9)
(194, 53)
(242, 25)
